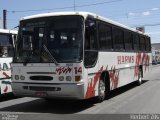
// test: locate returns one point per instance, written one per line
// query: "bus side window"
(91, 53)
(136, 42)
(105, 36)
(142, 43)
(10, 40)
(128, 41)
(148, 44)
(118, 36)
(90, 35)
(10, 51)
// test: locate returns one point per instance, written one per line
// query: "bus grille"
(41, 78)
(36, 88)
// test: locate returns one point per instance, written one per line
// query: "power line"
(100, 3)
(74, 4)
(68, 7)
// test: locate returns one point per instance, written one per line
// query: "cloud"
(154, 9)
(131, 14)
(146, 13)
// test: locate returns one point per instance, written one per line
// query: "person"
(3, 52)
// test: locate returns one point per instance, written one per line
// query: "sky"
(133, 13)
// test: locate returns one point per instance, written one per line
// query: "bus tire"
(140, 76)
(107, 83)
(101, 91)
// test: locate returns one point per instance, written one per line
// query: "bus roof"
(8, 31)
(84, 14)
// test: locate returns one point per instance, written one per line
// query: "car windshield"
(53, 39)
(6, 45)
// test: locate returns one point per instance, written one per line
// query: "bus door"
(90, 52)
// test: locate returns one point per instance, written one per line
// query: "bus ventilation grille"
(41, 78)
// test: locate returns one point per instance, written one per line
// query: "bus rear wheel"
(139, 82)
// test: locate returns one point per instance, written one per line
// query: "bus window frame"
(11, 43)
(91, 18)
(131, 41)
(137, 45)
(98, 28)
(143, 49)
(113, 33)
(148, 47)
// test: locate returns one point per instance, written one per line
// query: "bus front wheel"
(101, 91)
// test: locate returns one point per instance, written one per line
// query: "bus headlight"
(68, 78)
(16, 77)
(22, 77)
(61, 78)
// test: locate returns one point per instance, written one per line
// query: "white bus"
(77, 55)
(7, 38)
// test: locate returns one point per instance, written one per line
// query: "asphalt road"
(123, 103)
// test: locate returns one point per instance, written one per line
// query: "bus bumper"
(58, 91)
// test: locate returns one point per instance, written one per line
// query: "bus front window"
(55, 39)
(6, 45)
(65, 38)
(29, 42)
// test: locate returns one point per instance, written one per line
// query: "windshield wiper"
(52, 58)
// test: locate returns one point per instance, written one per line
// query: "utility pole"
(4, 19)
(74, 5)
(0, 22)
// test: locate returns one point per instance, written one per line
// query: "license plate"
(41, 94)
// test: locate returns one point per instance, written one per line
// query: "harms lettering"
(125, 59)
(63, 70)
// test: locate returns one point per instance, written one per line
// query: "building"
(156, 52)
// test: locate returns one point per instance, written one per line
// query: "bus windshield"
(6, 45)
(55, 39)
